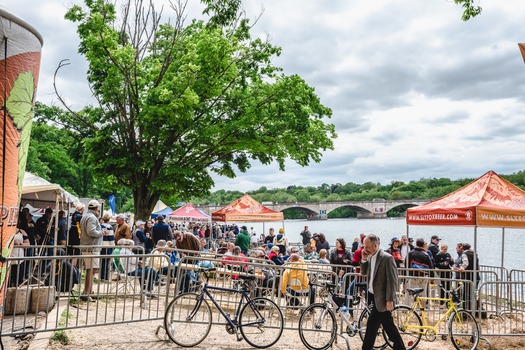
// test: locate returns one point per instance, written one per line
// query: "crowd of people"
(149, 249)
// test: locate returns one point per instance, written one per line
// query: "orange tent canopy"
(489, 201)
(246, 209)
(522, 49)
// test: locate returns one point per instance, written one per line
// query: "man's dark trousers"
(375, 319)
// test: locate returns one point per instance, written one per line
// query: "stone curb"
(41, 340)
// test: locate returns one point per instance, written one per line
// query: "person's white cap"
(139, 223)
(80, 206)
(126, 242)
(93, 204)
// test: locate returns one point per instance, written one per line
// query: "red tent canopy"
(489, 201)
(522, 50)
(246, 209)
(188, 213)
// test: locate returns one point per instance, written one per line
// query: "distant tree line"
(424, 188)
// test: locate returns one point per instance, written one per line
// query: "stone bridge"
(319, 210)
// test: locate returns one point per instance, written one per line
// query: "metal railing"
(41, 297)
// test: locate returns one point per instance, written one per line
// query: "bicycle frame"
(232, 322)
(426, 327)
(330, 303)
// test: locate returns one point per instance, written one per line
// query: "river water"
(489, 240)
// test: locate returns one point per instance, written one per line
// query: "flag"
(112, 204)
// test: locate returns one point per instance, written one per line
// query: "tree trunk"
(145, 201)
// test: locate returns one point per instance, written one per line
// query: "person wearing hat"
(321, 242)
(123, 230)
(276, 256)
(281, 241)
(395, 251)
(159, 262)
(139, 237)
(161, 230)
(269, 247)
(420, 264)
(433, 247)
(243, 240)
(74, 232)
(134, 266)
(91, 236)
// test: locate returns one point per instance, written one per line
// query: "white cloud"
(415, 91)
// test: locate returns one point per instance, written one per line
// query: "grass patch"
(61, 336)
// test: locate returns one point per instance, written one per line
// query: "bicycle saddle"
(330, 285)
(247, 277)
(360, 285)
(414, 291)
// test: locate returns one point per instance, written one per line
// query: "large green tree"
(177, 101)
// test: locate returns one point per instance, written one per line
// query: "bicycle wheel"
(261, 322)
(380, 342)
(463, 330)
(186, 322)
(404, 316)
(317, 327)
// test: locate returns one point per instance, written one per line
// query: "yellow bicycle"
(413, 324)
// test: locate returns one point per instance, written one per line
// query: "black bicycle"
(259, 321)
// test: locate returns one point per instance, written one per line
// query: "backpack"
(419, 265)
(78, 229)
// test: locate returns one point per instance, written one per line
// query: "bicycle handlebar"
(460, 285)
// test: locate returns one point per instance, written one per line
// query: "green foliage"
(425, 188)
(57, 154)
(343, 212)
(179, 102)
(60, 337)
(470, 10)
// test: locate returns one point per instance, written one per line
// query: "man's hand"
(364, 255)
(389, 305)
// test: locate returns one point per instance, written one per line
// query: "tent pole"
(408, 249)
(502, 251)
(55, 235)
(474, 304)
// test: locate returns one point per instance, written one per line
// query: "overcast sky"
(415, 91)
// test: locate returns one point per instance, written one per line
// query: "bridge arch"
(310, 214)
(360, 211)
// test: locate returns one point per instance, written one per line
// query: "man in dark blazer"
(382, 284)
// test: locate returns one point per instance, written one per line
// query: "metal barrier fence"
(503, 308)
(501, 272)
(34, 305)
(517, 275)
(54, 284)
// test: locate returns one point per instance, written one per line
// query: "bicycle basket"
(339, 299)
(455, 297)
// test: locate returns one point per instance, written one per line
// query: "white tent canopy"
(39, 193)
